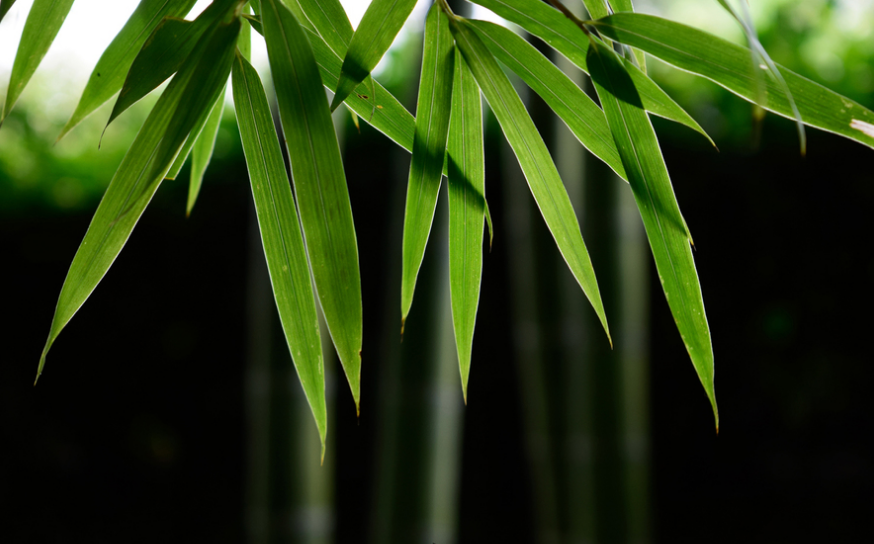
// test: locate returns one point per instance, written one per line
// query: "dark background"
(136, 431)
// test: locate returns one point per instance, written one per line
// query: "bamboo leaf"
(164, 52)
(466, 182)
(5, 5)
(429, 148)
(201, 93)
(134, 183)
(281, 237)
(109, 74)
(378, 27)
(567, 38)
(329, 19)
(665, 228)
(201, 153)
(43, 23)
(319, 182)
(730, 66)
(627, 5)
(582, 116)
(534, 158)
(596, 8)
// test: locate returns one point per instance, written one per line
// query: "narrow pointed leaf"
(201, 153)
(281, 237)
(164, 52)
(730, 66)
(380, 24)
(128, 194)
(665, 228)
(329, 19)
(466, 181)
(43, 23)
(5, 5)
(596, 8)
(534, 158)
(108, 76)
(429, 148)
(582, 116)
(567, 38)
(627, 5)
(319, 182)
(201, 92)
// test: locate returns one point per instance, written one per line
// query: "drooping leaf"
(582, 116)
(134, 183)
(466, 183)
(654, 194)
(43, 23)
(201, 93)
(377, 30)
(108, 76)
(627, 5)
(164, 52)
(567, 38)
(201, 153)
(729, 65)
(5, 5)
(758, 50)
(319, 182)
(534, 158)
(281, 237)
(429, 148)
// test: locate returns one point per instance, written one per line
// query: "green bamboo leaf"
(534, 158)
(5, 5)
(582, 116)
(665, 228)
(429, 148)
(466, 183)
(201, 93)
(201, 153)
(567, 38)
(134, 183)
(42, 25)
(627, 5)
(319, 182)
(329, 19)
(596, 8)
(164, 52)
(377, 30)
(281, 237)
(730, 66)
(108, 76)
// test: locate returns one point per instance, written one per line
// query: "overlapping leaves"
(309, 234)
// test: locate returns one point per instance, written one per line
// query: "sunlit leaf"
(281, 237)
(596, 8)
(534, 158)
(319, 182)
(108, 76)
(567, 38)
(665, 228)
(377, 30)
(582, 116)
(329, 19)
(42, 25)
(136, 180)
(466, 181)
(729, 65)
(429, 148)
(627, 5)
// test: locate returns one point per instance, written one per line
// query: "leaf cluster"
(306, 221)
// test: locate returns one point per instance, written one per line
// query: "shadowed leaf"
(534, 158)
(380, 24)
(466, 182)
(730, 66)
(281, 237)
(649, 180)
(319, 183)
(108, 76)
(429, 148)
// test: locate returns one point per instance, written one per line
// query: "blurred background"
(169, 409)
